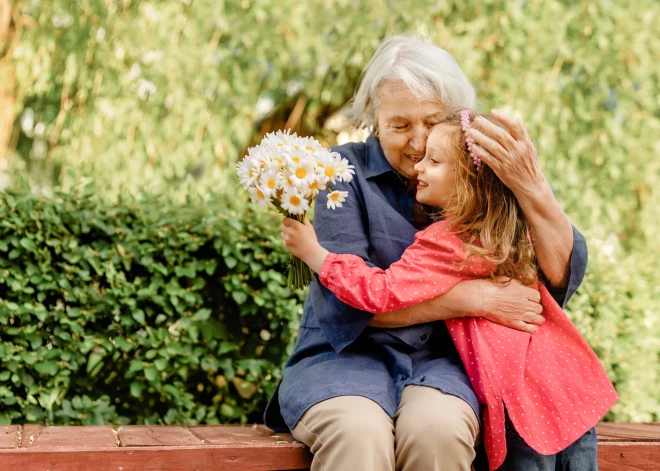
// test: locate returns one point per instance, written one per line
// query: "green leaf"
(46, 368)
(136, 388)
(151, 373)
(28, 244)
(239, 296)
(94, 363)
(138, 315)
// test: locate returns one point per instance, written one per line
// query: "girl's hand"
(300, 239)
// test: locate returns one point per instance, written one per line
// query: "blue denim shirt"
(337, 353)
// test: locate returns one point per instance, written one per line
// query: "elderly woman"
(391, 393)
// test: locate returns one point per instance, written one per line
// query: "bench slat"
(206, 458)
(144, 435)
(622, 447)
(9, 436)
(608, 431)
(629, 456)
(62, 438)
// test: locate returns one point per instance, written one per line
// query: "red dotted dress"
(551, 382)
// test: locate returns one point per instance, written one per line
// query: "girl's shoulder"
(441, 238)
(441, 234)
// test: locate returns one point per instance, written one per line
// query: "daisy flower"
(316, 187)
(270, 181)
(258, 196)
(281, 138)
(248, 171)
(345, 170)
(336, 198)
(328, 168)
(294, 201)
(298, 155)
(300, 174)
(311, 146)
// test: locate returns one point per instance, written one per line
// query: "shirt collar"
(376, 163)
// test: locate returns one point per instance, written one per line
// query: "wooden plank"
(29, 434)
(9, 436)
(278, 436)
(622, 447)
(78, 437)
(630, 456)
(608, 431)
(145, 435)
(184, 458)
(242, 436)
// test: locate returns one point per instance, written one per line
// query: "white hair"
(431, 73)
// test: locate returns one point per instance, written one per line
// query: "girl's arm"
(427, 270)
(512, 305)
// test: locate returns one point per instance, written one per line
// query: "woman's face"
(403, 126)
(436, 173)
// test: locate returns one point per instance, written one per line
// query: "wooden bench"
(622, 447)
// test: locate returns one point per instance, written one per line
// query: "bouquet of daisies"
(289, 171)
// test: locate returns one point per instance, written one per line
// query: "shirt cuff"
(325, 269)
(578, 268)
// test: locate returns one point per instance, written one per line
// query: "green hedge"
(148, 311)
(139, 312)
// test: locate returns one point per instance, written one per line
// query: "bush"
(139, 312)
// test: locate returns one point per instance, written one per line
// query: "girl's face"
(436, 173)
(403, 126)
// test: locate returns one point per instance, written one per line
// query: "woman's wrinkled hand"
(300, 239)
(512, 305)
(509, 151)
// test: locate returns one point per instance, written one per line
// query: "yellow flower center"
(309, 149)
(296, 159)
(301, 173)
(329, 172)
(260, 194)
(334, 196)
(271, 184)
(313, 185)
(294, 200)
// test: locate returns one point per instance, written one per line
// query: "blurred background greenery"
(154, 101)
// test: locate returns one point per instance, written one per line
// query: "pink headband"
(465, 125)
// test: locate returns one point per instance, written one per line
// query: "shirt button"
(424, 337)
(404, 377)
(423, 379)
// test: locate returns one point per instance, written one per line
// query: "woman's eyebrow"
(397, 118)
(439, 115)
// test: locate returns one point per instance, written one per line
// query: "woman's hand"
(300, 239)
(512, 305)
(509, 151)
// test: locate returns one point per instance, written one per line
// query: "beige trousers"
(431, 431)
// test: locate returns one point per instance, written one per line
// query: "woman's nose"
(418, 141)
(418, 167)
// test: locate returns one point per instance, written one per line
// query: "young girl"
(542, 392)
